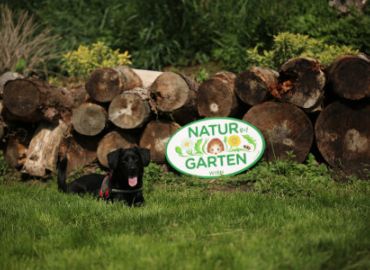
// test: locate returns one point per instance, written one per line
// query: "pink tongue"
(132, 181)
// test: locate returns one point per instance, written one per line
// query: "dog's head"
(128, 165)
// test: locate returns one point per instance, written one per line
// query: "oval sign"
(215, 147)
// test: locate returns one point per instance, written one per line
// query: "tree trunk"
(42, 153)
(349, 77)
(80, 151)
(343, 137)
(130, 109)
(255, 85)
(106, 83)
(147, 76)
(285, 127)
(301, 82)
(89, 119)
(216, 96)
(155, 137)
(112, 141)
(6, 77)
(31, 100)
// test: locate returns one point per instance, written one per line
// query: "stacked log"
(175, 94)
(298, 107)
(216, 96)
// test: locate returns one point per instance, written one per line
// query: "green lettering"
(240, 158)
(204, 131)
(212, 161)
(222, 132)
(231, 160)
(233, 127)
(194, 132)
(189, 163)
(201, 163)
(213, 129)
(221, 159)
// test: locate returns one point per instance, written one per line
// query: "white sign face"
(215, 147)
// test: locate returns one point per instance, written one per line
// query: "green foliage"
(85, 59)
(165, 32)
(202, 75)
(288, 45)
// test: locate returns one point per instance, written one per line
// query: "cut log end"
(89, 119)
(129, 78)
(21, 97)
(129, 111)
(301, 82)
(104, 84)
(112, 141)
(254, 85)
(155, 137)
(216, 96)
(170, 92)
(285, 127)
(343, 137)
(349, 77)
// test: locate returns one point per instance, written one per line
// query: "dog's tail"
(62, 174)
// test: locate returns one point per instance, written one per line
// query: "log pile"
(297, 108)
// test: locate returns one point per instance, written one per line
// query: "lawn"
(269, 218)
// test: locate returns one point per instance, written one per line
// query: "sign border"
(219, 118)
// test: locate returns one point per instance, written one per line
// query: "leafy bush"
(85, 59)
(288, 45)
(23, 46)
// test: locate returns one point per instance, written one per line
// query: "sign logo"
(215, 147)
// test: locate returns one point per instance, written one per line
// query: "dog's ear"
(145, 155)
(113, 158)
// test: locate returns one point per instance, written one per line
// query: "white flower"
(187, 145)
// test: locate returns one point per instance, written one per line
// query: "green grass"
(308, 221)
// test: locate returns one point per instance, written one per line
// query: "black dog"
(124, 182)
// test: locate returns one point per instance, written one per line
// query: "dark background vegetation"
(161, 33)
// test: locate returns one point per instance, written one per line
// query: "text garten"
(216, 161)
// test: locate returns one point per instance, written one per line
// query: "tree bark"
(349, 77)
(31, 100)
(106, 83)
(301, 82)
(255, 85)
(79, 150)
(89, 119)
(155, 137)
(130, 109)
(285, 127)
(42, 153)
(216, 96)
(343, 136)
(112, 141)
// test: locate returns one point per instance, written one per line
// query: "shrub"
(288, 45)
(85, 59)
(24, 46)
